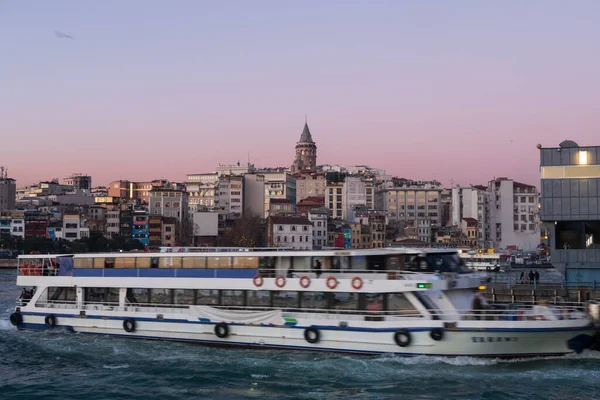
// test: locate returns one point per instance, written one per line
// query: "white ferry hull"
(473, 342)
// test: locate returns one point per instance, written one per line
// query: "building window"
(305, 228)
(280, 228)
(301, 238)
(293, 238)
(307, 238)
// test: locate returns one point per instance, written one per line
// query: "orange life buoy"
(280, 281)
(357, 282)
(332, 282)
(305, 281)
(258, 281)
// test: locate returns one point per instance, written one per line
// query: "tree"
(247, 231)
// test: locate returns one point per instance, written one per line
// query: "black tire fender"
(129, 325)
(16, 319)
(402, 338)
(222, 330)
(50, 321)
(312, 335)
(437, 334)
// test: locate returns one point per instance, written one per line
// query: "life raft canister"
(437, 334)
(357, 282)
(332, 282)
(16, 318)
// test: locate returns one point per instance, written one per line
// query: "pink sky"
(459, 92)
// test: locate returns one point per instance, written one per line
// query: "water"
(55, 365)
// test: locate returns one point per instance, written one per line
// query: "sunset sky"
(457, 90)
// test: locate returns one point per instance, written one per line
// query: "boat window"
(398, 302)
(154, 262)
(83, 263)
(285, 299)
(376, 263)
(208, 297)
(395, 263)
(232, 297)
(160, 296)
(169, 262)
(415, 263)
(61, 294)
(259, 298)
(314, 300)
(374, 301)
(94, 295)
(359, 263)
(219, 262)
(125, 262)
(112, 295)
(194, 262)
(142, 262)
(302, 264)
(447, 262)
(138, 296)
(245, 262)
(345, 301)
(109, 262)
(267, 266)
(184, 296)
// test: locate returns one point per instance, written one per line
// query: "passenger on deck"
(317, 268)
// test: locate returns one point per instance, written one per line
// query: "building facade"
(259, 188)
(570, 209)
(318, 217)
(310, 184)
(290, 232)
(473, 202)
(409, 201)
(79, 182)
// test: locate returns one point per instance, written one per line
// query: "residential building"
(99, 191)
(281, 207)
(126, 220)
(306, 153)
(514, 214)
(17, 224)
(154, 231)
(5, 225)
(570, 208)
(79, 182)
(474, 202)
(347, 193)
(310, 184)
(446, 207)
(72, 227)
(172, 204)
(231, 195)
(318, 217)
(36, 224)
(260, 187)
(137, 191)
(468, 227)
(304, 206)
(291, 232)
(409, 201)
(113, 221)
(44, 189)
(334, 199)
(202, 189)
(169, 231)
(424, 231)
(235, 169)
(140, 228)
(8, 191)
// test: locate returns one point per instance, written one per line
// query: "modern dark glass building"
(570, 208)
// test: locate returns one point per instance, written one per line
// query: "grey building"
(570, 201)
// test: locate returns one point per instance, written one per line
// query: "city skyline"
(461, 92)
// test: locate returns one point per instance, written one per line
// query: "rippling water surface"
(57, 365)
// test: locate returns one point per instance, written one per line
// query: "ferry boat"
(487, 262)
(378, 301)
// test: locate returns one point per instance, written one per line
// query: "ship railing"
(518, 313)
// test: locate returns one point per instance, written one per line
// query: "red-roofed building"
(304, 206)
(281, 207)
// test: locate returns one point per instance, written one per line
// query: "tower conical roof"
(306, 137)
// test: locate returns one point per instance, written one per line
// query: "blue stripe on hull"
(223, 343)
(321, 327)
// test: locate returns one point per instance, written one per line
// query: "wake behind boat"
(397, 301)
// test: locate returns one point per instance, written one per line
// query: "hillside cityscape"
(304, 206)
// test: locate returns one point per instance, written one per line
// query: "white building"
(290, 232)
(424, 230)
(112, 222)
(230, 195)
(171, 204)
(205, 223)
(73, 228)
(260, 187)
(318, 217)
(343, 197)
(514, 214)
(202, 189)
(474, 202)
(17, 226)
